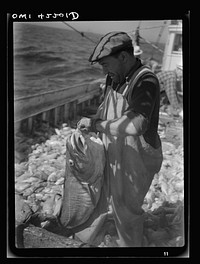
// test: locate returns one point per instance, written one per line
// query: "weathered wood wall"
(56, 106)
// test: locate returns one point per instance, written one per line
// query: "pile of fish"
(39, 184)
(39, 181)
(168, 184)
(164, 202)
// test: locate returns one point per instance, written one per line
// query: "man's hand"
(84, 124)
(88, 124)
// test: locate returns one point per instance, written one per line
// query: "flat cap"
(110, 44)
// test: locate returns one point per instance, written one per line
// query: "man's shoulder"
(146, 76)
(143, 72)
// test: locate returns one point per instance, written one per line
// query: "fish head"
(85, 156)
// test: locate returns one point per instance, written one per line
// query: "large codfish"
(85, 162)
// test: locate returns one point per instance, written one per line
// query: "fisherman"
(168, 85)
(127, 121)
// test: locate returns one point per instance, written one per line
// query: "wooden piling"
(44, 115)
(61, 119)
(30, 124)
(66, 112)
(73, 110)
(56, 112)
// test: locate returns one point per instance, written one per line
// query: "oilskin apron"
(131, 166)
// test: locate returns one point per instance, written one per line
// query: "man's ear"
(123, 56)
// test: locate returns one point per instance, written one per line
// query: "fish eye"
(71, 162)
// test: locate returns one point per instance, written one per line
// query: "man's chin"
(114, 78)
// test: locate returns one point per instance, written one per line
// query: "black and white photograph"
(98, 136)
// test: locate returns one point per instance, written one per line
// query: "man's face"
(113, 67)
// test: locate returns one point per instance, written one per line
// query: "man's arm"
(122, 126)
(137, 117)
